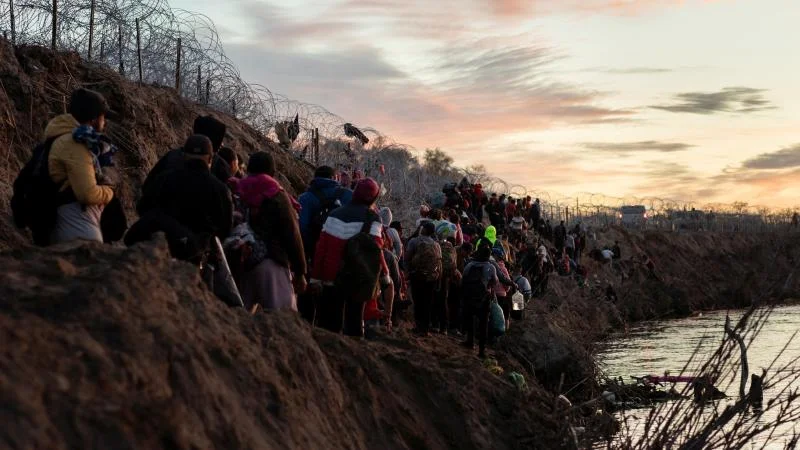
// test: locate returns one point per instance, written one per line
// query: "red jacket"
(342, 224)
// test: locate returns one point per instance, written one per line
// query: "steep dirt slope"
(35, 85)
(123, 348)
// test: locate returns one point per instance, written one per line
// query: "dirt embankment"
(123, 348)
(35, 85)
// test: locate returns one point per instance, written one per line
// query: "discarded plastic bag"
(497, 321)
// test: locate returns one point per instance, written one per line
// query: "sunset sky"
(689, 100)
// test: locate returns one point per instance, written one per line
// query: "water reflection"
(666, 347)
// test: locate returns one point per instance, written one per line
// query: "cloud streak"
(739, 100)
(782, 159)
(635, 147)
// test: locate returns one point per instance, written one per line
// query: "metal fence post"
(91, 30)
(13, 25)
(119, 50)
(55, 25)
(139, 48)
(178, 69)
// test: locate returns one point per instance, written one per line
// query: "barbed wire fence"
(147, 41)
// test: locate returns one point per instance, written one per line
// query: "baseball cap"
(198, 145)
(86, 105)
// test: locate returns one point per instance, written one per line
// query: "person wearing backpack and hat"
(189, 204)
(423, 259)
(348, 266)
(76, 160)
(324, 194)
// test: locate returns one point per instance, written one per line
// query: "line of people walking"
(332, 254)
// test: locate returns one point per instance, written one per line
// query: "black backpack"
(473, 286)
(360, 268)
(36, 196)
(326, 205)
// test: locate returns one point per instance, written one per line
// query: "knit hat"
(366, 191)
(86, 105)
(211, 128)
(386, 216)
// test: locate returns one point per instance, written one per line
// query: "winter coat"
(192, 196)
(342, 224)
(71, 165)
(172, 160)
(273, 218)
(311, 204)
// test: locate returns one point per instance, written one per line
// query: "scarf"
(99, 146)
(254, 189)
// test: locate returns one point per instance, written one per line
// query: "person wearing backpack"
(189, 205)
(423, 259)
(348, 266)
(324, 194)
(476, 287)
(441, 296)
(75, 164)
(272, 215)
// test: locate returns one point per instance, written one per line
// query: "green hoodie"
(491, 234)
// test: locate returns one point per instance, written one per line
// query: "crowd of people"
(334, 254)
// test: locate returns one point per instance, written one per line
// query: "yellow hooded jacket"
(71, 163)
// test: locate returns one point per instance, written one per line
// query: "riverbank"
(694, 272)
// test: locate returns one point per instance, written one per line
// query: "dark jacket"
(276, 224)
(193, 197)
(221, 169)
(172, 160)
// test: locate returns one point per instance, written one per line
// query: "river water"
(654, 348)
